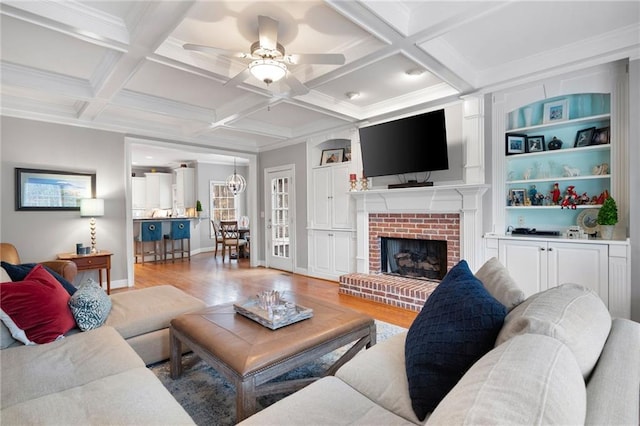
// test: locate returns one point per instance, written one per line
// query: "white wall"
(634, 184)
(41, 235)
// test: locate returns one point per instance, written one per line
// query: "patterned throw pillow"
(458, 324)
(90, 305)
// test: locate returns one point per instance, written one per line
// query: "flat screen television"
(408, 145)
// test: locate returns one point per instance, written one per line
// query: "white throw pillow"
(571, 313)
(499, 283)
(529, 380)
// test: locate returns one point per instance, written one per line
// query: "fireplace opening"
(426, 259)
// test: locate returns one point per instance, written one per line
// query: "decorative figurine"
(570, 198)
(554, 144)
(527, 174)
(555, 193)
(532, 194)
(571, 171)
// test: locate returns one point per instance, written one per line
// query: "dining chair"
(218, 237)
(231, 238)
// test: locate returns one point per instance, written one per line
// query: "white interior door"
(279, 217)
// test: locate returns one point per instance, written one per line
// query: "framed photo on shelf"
(535, 144)
(556, 111)
(516, 144)
(516, 197)
(330, 156)
(584, 137)
(600, 136)
(38, 189)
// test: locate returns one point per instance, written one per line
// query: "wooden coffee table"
(251, 355)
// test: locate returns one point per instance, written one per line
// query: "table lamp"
(92, 207)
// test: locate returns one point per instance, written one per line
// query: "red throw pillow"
(37, 307)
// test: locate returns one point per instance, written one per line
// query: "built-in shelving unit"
(586, 168)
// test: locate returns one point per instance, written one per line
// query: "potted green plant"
(198, 207)
(607, 218)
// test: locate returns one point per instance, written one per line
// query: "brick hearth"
(408, 293)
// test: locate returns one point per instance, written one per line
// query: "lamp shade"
(91, 207)
(267, 70)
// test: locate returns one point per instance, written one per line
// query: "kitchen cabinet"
(185, 194)
(158, 190)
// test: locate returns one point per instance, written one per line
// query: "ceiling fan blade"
(215, 50)
(238, 78)
(297, 88)
(267, 32)
(316, 58)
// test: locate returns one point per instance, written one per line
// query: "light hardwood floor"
(216, 282)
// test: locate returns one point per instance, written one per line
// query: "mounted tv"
(408, 145)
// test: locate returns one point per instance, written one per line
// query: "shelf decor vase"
(606, 232)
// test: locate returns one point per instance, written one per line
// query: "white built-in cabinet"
(331, 215)
(158, 190)
(333, 253)
(332, 207)
(185, 194)
(589, 99)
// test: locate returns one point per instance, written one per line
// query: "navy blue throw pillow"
(19, 272)
(457, 325)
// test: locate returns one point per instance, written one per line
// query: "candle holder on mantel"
(353, 181)
(364, 184)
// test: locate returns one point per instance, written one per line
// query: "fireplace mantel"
(465, 200)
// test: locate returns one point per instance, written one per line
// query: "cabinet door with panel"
(332, 253)
(526, 262)
(584, 264)
(540, 265)
(185, 188)
(158, 190)
(332, 207)
(138, 193)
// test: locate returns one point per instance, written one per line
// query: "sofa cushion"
(35, 310)
(496, 279)
(328, 401)
(529, 380)
(19, 272)
(379, 373)
(458, 324)
(4, 276)
(571, 313)
(90, 305)
(149, 309)
(67, 363)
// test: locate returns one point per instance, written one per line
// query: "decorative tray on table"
(269, 310)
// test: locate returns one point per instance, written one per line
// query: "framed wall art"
(38, 189)
(330, 156)
(556, 111)
(600, 136)
(535, 143)
(515, 144)
(584, 137)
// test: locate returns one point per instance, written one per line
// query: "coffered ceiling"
(120, 65)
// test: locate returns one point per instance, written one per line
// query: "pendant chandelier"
(235, 182)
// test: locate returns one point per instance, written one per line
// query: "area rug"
(210, 399)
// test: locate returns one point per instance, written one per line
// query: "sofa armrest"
(612, 390)
(66, 268)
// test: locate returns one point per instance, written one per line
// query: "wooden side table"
(86, 262)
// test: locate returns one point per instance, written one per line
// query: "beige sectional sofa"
(559, 359)
(97, 376)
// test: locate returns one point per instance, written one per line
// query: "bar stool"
(180, 232)
(150, 232)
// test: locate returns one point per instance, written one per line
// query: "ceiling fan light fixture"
(267, 70)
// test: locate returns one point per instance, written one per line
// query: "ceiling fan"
(268, 61)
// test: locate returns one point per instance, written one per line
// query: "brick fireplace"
(449, 213)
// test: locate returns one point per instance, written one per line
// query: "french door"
(280, 221)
